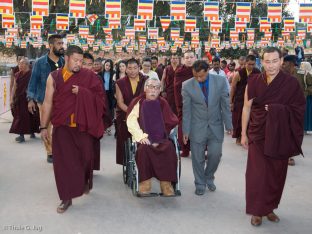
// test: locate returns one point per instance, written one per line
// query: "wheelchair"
(131, 173)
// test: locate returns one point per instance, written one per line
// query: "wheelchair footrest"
(176, 194)
(147, 194)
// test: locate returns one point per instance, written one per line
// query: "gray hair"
(151, 79)
(25, 60)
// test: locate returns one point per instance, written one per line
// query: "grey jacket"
(198, 117)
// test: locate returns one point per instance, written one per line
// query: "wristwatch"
(41, 128)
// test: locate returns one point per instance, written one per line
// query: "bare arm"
(245, 118)
(48, 102)
(162, 82)
(12, 80)
(120, 100)
(236, 78)
(47, 109)
(13, 90)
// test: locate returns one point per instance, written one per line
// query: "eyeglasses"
(156, 87)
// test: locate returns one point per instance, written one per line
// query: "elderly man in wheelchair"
(150, 121)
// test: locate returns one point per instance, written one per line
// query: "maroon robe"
(274, 136)
(74, 147)
(182, 74)
(238, 101)
(23, 121)
(122, 130)
(160, 70)
(169, 87)
(157, 120)
(107, 121)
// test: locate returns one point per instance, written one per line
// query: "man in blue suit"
(206, 110)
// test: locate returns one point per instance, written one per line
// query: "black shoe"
(50, 159)
(199, 192)
(33, 136)
(20, 139)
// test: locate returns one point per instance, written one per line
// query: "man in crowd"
(224, 66)
(273, 112)
(158, 68)
(182, 74)
(206, 110)
(88, 61)
(23, 121)
(14, 70)
(98, 67)
(300, 54)
(147, 68)
(74, 102)
(241, 63)
(167, 82)
(150, 120)
(290, 67)
(127, 89)
(37, 84)
(256, 54)
(216, 67)
(237, 93)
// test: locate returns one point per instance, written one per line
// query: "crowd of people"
(265, 103)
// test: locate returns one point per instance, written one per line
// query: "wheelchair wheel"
(179, 166)
(125, 163)
(134, 185)
(130, 164)
(130, 173)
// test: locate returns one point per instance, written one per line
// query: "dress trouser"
(204, 170)
(48, 144)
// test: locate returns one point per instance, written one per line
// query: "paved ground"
(28, 197)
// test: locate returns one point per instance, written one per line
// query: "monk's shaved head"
(189, 58)
(24, 65)
(74, 58)
(24, 61)
(152, 88)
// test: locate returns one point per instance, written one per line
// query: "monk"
(127, 89)
(182, 74)
(238, 86)
(14, 70)
(274, 109)
(167, 81)
(158, 68)
(87, 63)
(74, 101)
(150, 120)
(23, 121)
(241, 63)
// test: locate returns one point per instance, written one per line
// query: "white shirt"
(213, 72)
(221, 73)
(150, 74)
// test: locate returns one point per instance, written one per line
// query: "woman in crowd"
(109, 87)
(120, 70)
(306, 70)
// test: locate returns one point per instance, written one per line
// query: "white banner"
(4, 94)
